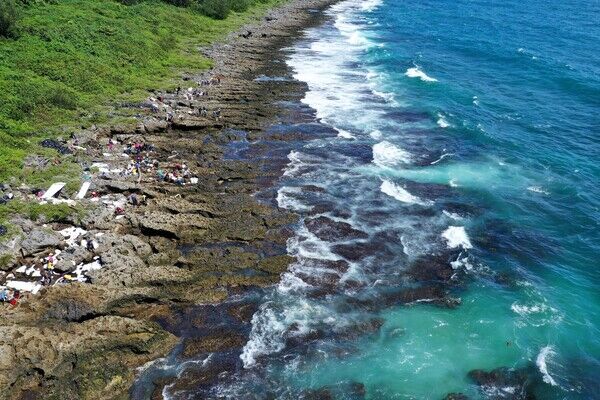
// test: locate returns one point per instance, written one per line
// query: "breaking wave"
(416, 72)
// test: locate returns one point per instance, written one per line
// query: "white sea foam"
(264, 337)
(371, 5)
(538, 189)
(416, 72)
(456, 236)
(542, 357)
(462, 262)
(344, 134)
(291, 283)
(452, 215)
(441, 158)
(371, 75)
(295, 163)
(376, 134)
(285, 199)
(401, 194)
(386, 154)
(389, 97)
(524, 310)
(442, 123)
(309, 246)
(271, 321)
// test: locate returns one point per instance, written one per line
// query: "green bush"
(8, 18)
(179, 3)
(217, 9)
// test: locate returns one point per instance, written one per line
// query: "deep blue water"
(469, 132)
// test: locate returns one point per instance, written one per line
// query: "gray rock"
(40, 239)
(70, 258)
(155, 125)
(121, 186)
(70, 310)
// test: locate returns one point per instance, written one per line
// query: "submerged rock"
(432, 268)
(456, 396)
(505, 383)
(329, 230)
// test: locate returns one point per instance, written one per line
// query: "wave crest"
(416, 72)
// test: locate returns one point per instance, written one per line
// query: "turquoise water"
(469, 131)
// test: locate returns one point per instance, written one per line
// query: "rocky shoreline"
(163, 247)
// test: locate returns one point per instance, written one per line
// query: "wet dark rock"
(433, 294)
(431, 268)
(317, 394)
(221, 341)
(352, 284)
(507, 279)
(340, 266)
(295, 338)
(357, 389)
(192, 379)
(243, 312)
(314, 188)
(456, 396)
(323, 280)
(342, 390)
(56, 145)
(364, 328)
(357, 251)
(505, 383)
(329, 230)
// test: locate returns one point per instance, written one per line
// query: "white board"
(84, 188)
(53, 190)
(32, 287)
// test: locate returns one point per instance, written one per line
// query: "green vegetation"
(73, 59)
(34, 211)
(8, 18)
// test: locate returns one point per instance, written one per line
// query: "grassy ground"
(76, 58)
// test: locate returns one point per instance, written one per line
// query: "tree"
(8, 18)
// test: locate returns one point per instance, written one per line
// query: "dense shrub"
(8, 18)
(179, 3)
(218, 9)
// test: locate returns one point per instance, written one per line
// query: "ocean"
(450, 225)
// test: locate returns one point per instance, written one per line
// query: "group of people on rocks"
(35, 273)
(191, 94)
(213, 81)
(158, 104)
(179, 174)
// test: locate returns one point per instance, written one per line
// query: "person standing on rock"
(133, 199)
(46, 279)
(50, 261)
